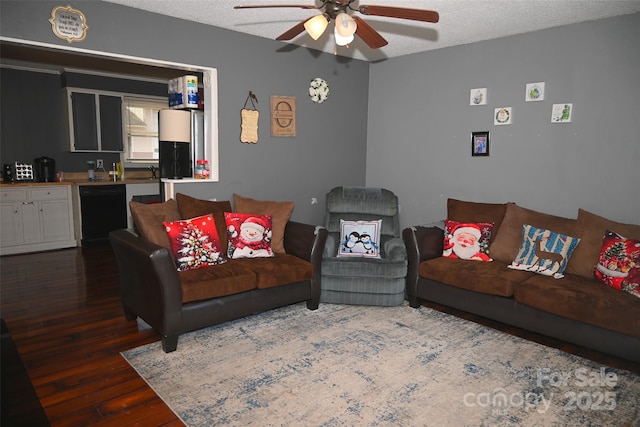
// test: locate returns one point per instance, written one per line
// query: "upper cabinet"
(95, 120)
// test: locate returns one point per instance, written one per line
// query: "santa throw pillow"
(195, 242)
(249, 235)
(467, 240)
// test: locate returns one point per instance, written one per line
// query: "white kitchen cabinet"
(36, 218)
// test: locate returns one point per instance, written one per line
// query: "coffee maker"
(45, 169)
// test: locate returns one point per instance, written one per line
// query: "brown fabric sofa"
(174, 302)
(577, 308)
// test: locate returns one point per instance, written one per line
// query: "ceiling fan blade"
(262, 6)
(370, 36)
(401, 12)
(293, 31)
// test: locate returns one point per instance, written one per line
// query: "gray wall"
(33, 120)
(420, 122)
(404, 123)
(328, 139)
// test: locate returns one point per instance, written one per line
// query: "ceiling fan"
(345, 24)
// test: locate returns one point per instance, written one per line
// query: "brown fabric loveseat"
(577, 308)
(173, 302)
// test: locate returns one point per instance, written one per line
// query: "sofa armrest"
(422, 243)
(395, 249)
(149, 282)
(304, 240)
(307, 242)
(425, 242)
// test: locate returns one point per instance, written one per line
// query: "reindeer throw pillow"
(544, 252)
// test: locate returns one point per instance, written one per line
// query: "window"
(141, 125)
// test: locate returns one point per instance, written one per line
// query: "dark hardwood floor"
(63, 311)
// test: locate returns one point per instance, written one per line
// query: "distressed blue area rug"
(379, 366)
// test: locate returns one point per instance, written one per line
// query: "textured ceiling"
(461, 21)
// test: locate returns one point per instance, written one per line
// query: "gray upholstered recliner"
(362, 280)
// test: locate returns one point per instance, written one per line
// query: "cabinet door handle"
(27, 203)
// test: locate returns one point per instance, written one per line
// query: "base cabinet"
(35, 218)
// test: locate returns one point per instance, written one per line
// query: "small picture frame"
(561, 113)
(480, 143)
(534, 92)
(502, 116)
(478, 96)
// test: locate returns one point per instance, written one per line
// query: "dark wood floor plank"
(69, 330)
(66, 321)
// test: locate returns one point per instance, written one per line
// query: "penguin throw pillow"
(195, 242)
(360, 238)
(249, 235)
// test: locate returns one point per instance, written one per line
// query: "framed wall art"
(478, 96)
(502, 116)
(534, 92)
(283, 116)
(480, 143)
(561, 113)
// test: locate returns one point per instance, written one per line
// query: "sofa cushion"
(280, 212)
(195, 242)
(249, 235)
(543, 251)
(487, 277)
(216, 281)
(281, 269)
(148, 219)
(190, 207)
(507, 241)
(619, 263)
(582, 299)
(591, 229)
(467, 240)
(458, 210)
(360, 238)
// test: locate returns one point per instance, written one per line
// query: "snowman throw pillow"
(249, 235)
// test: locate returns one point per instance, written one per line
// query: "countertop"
(80, 178)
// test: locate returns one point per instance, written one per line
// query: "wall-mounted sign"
(283, 116)
(68, 24)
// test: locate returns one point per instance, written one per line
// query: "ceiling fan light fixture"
(345, 25)
(341, 40)
(316, 26)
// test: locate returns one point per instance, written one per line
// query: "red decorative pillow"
(467, 240)
(619, 263)
(249, 235)
(195, 242)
